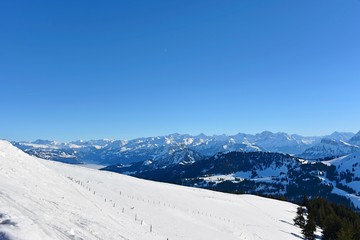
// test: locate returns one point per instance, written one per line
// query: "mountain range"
(110, 152)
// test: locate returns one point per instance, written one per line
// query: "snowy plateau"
(42, 199)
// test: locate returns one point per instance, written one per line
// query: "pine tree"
(299, 220)
(309, 228)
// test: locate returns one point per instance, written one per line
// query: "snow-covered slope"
(329, 148)
(348, 167)
(349, 162)
(50, 200)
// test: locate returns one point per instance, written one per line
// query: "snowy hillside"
(49, 200)
(348, 168)
(347, 162)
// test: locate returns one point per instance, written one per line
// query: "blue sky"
(124, 69)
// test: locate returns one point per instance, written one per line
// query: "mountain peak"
(266, 132)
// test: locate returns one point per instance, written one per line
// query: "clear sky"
(124, 69)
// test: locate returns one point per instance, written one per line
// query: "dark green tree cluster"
(308, 226)
(299, 220)
(337, 221)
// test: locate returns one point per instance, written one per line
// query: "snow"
(188, 141)
(42, 199)
(345, 162)
(221, 177)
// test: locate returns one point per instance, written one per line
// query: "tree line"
(338, 222)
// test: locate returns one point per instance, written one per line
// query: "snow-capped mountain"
(355, 140)
(329, 148)
(49, 200)
(109, 152)
(122, 151)
(282, 142)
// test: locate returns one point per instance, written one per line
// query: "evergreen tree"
(338, 222)
(299, 220)
(309, 228)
